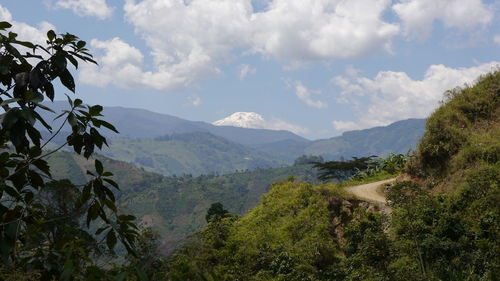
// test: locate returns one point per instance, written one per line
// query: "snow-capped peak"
(244, 120)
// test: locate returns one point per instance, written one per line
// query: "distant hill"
(170, 145)
(398, 137)
(177, 205)
(141, 123)
(190, 153)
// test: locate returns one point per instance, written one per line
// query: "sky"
(314, 67)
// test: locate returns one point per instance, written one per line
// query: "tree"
(343, 169)
(27, 75)
(216, 212)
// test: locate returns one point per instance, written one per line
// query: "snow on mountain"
(256, 121)
(244, 120)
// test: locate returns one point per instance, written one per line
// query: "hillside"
(202, 153)
(190, 153)
(176, 206)
(444, 223)
(398, 137)
(143, 124)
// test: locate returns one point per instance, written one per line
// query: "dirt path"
(369, 191)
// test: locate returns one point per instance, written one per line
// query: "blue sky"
(316, 67)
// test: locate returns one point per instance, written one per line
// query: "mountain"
(398, 137)
(243, 120)
(169, 145)
(189, 153)
(141, 123)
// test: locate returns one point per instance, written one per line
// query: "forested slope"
(444, 223)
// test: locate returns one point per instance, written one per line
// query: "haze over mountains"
(170, 145)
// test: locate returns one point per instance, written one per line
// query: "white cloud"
(25, 31)
(418, 16)
(394, 96)
(94, 8)
(120, 65)
(246, 70)
(300, 30)
(304, 94)
(190, 39)
(194, 100)
(496, 39)
(257, 121)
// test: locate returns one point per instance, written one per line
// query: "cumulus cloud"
(25, 31)
(93, 8)
(257, 121)
(302, 30)
(305, 95)
(190, 39)
(394, 96)
(418, 16)
(246, 70)
(120, 65)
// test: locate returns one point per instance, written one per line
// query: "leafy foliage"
(462, 134)
(40, 219)
(343, 169)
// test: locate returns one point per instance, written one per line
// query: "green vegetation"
(190, 153)
(461, 137)
(52, 229)
(177, 206)
(305, 232)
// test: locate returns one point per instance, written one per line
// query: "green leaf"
(98, 167)
(111, 239)
(69, 100)
(67, 80)
(72, 119)
(35, 179)
(112, 182)
(45, 108)
(49, 91)
(107, 125)
(43, 166)
(126, 217)
(73, 61)
(10, 118)
(25, 44)
(4, 25)
(100, 230)
(78, 102)
(6, 102)
(95, 110)
(51, 35)
(80, 44)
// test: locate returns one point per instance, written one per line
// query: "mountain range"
(173, 146)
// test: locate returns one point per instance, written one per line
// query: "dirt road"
(369, 191)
